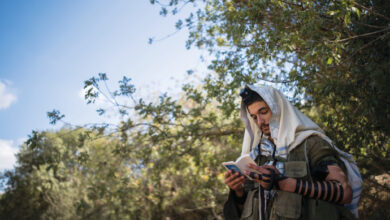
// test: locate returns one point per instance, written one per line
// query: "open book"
(240, 165)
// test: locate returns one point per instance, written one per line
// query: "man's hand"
(265, 180)
(235, 181)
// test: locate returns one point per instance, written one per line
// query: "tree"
(162, 160)
(60, 175)
(179, 143)
(319, 51)
(330, 57)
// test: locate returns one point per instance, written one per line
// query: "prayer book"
(240, 165)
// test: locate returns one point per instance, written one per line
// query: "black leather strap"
(308, 188)
(335, 192)
(341, 194)
(298, 185)
(328, 191)
(322, 194)
(303, 188)
(315, 189)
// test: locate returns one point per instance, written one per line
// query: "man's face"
(261, 113)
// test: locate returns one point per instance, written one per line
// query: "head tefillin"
(249, 96)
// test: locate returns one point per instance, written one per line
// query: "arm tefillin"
(331, 191)
(273, 178)
(320, 171)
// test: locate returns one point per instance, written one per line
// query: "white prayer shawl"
(289, 128)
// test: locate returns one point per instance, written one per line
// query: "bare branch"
(371, 10)
(361, 35)
(366, 45)
(166, 36)
(110, 93)
(369, 25)
(276, 81)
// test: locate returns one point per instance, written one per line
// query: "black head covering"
(249, 96)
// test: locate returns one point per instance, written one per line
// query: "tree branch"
(361, 35)
(371, 10)
(369, 25)
(366, 45)
(277, 81)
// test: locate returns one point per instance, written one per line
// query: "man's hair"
(249, 96)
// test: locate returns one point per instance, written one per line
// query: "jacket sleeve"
(319, 150)
(231, 209)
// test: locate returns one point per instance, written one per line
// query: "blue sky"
(48, 48)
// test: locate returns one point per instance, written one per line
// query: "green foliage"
(144, 168)
(54, 174)
(55, 116)
(328, 55)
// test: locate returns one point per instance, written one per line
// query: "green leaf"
(330, 60)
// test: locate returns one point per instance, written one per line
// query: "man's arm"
(335, 188)
(234, 205)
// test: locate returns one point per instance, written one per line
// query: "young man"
(301, 174)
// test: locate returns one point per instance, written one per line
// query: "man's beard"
(265, 129)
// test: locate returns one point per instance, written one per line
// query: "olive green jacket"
(292, 206)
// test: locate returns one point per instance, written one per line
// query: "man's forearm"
(331, 191)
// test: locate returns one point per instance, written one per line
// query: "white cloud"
(7, 154)
(20, 141)
(6, 97)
